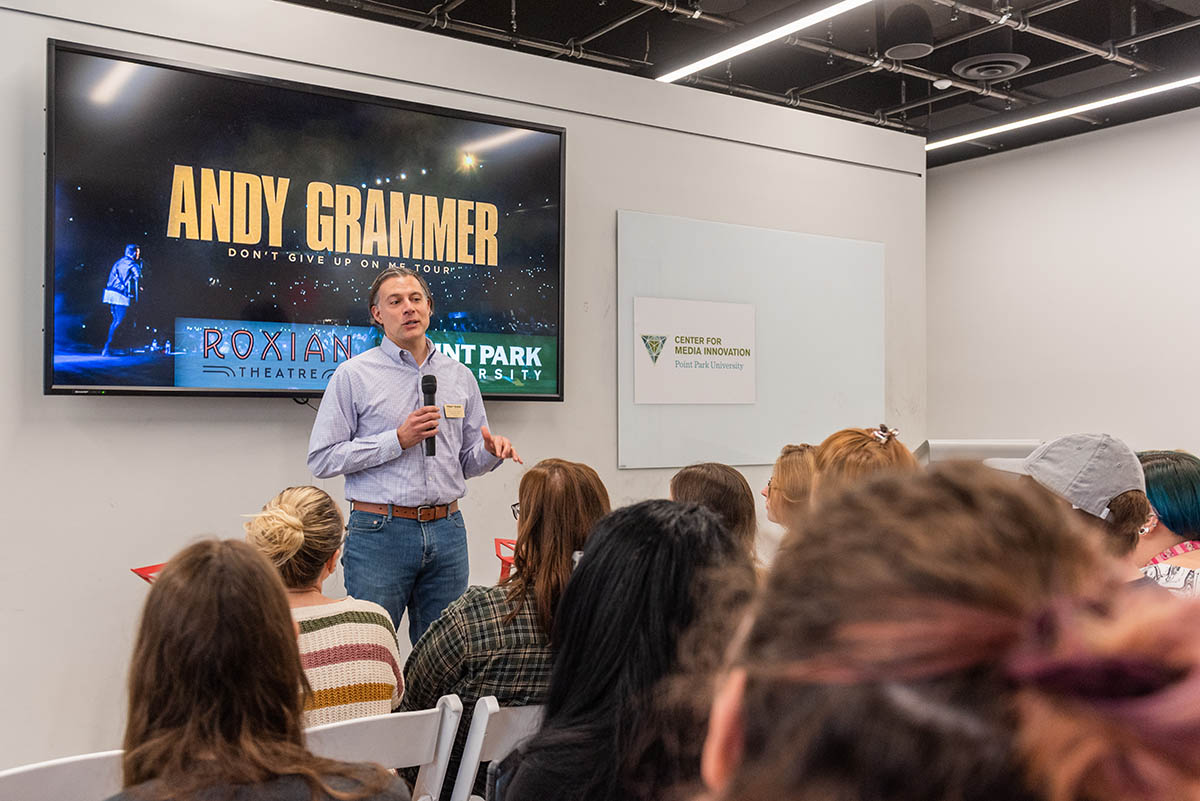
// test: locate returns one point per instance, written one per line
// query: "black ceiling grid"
(935, 68)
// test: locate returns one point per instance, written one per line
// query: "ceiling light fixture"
(1066, 112)
(763, 38)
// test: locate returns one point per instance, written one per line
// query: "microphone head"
(429, 384)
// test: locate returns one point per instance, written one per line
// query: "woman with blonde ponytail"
(347, 646)
(955, 636)
(854, 454)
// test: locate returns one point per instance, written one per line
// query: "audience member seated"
(215, 701)
(955, 636)
(347, 646)
(495, 640)
(852, 454)
(724, 491)
(1170, 546)
(1101, 477)
(647, 573)
(790, 486)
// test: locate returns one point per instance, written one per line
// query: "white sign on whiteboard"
(818, 337)
(693, 351)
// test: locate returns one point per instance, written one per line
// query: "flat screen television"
(214, 233)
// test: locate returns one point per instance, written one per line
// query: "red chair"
(506, 559)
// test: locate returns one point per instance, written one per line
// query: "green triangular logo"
(654, 346)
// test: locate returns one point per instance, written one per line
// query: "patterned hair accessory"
(883, 433)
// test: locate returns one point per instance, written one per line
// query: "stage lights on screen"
(493, 142)
(113, 82)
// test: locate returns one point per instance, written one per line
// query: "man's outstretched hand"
(500, 447)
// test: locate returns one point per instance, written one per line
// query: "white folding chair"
(493, 735)
(398, 740)
(87, 777)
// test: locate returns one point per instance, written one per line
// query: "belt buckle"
(432, 515)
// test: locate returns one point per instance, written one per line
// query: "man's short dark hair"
(396, 272)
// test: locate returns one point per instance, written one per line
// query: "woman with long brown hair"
(216, 691)
(495, 640)
(955, 636)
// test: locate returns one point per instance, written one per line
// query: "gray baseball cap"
(1087, 470)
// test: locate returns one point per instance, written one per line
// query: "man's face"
(403, 310)
(137, 253)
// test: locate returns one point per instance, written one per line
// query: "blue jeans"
(400, 563)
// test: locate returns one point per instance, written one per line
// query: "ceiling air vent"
(990, 57)
(991, 66)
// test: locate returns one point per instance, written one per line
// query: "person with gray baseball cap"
(1097, 474)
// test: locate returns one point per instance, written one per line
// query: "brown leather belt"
(422, 514)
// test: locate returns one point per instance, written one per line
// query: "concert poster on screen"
(217, 233)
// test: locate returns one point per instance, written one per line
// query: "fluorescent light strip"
(1066, 112)
(763, 38)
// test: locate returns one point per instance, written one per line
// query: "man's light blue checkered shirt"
(367, 399)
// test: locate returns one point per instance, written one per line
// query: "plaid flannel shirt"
(472, 652)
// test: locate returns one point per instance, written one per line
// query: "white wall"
(1063, 283)
(97, 485)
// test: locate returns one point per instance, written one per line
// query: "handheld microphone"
(429, 389)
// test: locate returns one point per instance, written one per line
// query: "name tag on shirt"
(454, 410)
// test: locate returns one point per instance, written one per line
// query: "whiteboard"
(819, 333)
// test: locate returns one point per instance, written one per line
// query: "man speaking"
(406, 544)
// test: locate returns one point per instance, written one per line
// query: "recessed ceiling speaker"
(908, 34)
(721, 6)
(991, 57)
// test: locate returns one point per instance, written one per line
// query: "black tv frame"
(55, 45)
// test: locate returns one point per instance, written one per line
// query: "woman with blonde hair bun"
(347, 646)
(790, 486)
(852, 454)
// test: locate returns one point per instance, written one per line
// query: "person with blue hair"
(122, 289)
(1171, 538)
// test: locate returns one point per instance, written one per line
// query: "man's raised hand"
(420, 426)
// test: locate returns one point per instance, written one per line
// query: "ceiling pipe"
(673, 7)
(983, 90)
(876, 64)
(795, 102)
(442, 8)
(1019, 21)
(612, 26)
(1053, 5)
(834, 81)
(1145, 37)
(445, 23)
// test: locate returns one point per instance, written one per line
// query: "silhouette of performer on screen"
(121, 291)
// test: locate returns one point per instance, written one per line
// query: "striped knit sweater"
(348, 650)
